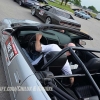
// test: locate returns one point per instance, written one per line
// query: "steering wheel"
(31, 43)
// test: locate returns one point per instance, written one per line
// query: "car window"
(84, 13)
(46, 7)
(22, 33)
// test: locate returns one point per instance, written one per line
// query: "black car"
(28, 3)
(43, 1)
(53, 15)
(17, 40)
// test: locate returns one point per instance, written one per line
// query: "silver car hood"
(12, 21)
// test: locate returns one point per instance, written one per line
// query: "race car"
(53, 15)
(42, 78)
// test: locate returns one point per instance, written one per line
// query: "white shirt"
(53, 47)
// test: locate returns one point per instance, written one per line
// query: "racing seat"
(57, 65)
(86, 92)
(92, 65)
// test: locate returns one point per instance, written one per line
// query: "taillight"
(69, 24)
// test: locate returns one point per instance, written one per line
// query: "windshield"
(84, 13)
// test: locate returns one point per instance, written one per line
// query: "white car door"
(16, 67)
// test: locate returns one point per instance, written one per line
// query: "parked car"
(98, 16)
(82, 14)
(43, 1)
(20, 71)
(53, 15)
(28, 3)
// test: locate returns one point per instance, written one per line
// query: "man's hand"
(72, 80)
(38, 36)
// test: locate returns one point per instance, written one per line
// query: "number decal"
(11, 49)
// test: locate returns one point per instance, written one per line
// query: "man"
(53, 47)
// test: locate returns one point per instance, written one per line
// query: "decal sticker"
(11, 49)
(30, 98)
(41, 12)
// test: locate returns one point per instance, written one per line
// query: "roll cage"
(58, 92)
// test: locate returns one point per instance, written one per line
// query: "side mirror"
(7, 31)
(82, 42)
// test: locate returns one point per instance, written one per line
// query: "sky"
(95, 3)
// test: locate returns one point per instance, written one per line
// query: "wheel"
(76, 15)
(86, 18)
(33, 11)
(20, 2)
(81, 16)
(48, 20)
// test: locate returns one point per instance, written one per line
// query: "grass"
(93, 15)
(58, 4)
(65, 7)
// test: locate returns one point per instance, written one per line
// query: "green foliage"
(93, 9)
(76, 2)
(84, 7)
(65, 1)
(63, 6)
(93, 15)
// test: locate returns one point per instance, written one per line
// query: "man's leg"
(37, 43)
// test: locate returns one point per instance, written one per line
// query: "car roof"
(60, 9)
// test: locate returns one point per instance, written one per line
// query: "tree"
(84, 7)
(93, 9)
(65, 1)
(77, 2)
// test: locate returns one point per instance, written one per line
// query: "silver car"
(41, 78)
(82, 14)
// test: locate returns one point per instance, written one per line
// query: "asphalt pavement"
(10, 9)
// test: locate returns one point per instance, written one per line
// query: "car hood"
(86, 15)
(10, 21)
(69, 20)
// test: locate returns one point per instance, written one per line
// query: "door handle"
(17, 78)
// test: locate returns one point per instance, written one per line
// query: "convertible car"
(54, 15)
(43, 74)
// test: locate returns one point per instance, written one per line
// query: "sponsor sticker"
(11, 49)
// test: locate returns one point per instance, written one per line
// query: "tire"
(33, 11)
(20, 2)
(86, 18)
(48, 20)
(81, 16)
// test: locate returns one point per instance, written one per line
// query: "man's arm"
(67, 71)
(37, 43)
